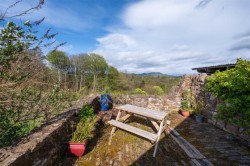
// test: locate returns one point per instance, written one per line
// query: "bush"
(139, 91)
(233, 87)
(86, 112)
(28, 110)
(86, 126)
(84, 130)
(158, 90)
(186, 100)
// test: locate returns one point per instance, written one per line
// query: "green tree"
(60, 61)
(95, 65)
(79, 67)
(14, 40)
(112, 78)
(233, 87)
(158, 90)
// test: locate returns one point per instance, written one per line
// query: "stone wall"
(196, 84)
(162, 103)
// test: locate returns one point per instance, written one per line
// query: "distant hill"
(154, 74)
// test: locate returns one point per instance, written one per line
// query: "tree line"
(84, 70)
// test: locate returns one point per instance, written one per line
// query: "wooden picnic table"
(154, 117)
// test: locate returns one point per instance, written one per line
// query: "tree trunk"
(65, 77)
(65, 80)
(84, 82)
(81, 82)
(59, 76)
(76, 81)
(94, 82)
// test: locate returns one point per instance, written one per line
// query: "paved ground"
(218, 146)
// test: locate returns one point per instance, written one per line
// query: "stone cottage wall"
(196, 84)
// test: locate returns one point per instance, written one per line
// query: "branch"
(11, 6)
(39, 21)
(38, 6)
(61, 44)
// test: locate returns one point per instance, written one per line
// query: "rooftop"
(213, 69)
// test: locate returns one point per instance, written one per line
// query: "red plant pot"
(77, 149)
(185, 113)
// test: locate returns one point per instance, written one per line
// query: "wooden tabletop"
(159, 115)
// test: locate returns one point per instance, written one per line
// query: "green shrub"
(233, 87)
(186, 100)
(29, 109)
(139, 91)
(84, 130)
(158, 90)
(86, 112)
(86, 126)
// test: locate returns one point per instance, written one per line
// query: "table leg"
(114, 128)
(167, 124)
(158, 137)
(154, 123)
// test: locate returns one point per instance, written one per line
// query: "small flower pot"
(199, 118)
(77, 149)
(185, 113)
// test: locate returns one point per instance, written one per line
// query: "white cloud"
(173, 36)
(117, 41)
(151, 14)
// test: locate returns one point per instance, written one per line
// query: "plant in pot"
(198, 112)
(186, 103)
(83, 132)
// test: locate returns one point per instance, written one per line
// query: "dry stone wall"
(196, 84)
(162, 103)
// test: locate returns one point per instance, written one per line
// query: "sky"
(137, 36)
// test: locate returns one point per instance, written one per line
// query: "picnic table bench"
(153, 116)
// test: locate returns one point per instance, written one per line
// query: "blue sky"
(168, 36)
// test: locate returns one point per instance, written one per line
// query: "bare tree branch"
(38, 6)
(39, 21)
(61, 44)
(11, 6)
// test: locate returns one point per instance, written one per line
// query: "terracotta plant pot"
(77, 149)
(185, 113)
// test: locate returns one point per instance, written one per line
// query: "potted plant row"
(83, 131)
